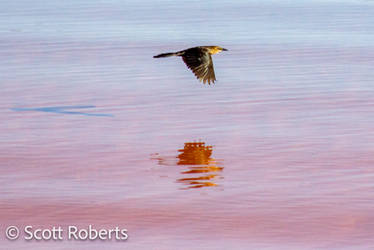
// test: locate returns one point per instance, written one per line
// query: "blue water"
(335, 23)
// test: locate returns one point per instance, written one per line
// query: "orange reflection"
(201, 168)
(197, 157)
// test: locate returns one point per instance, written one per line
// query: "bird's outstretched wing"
(201, 64)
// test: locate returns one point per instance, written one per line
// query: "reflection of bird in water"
(203, 170)
(199, 60)
(197, 156)
(194, 153)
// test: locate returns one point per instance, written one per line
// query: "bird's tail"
(166, 55)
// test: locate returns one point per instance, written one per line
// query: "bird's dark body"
(195, 51)
(199, 60)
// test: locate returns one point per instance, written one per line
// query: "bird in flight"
(199, 60)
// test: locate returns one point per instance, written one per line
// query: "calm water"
(278, 154)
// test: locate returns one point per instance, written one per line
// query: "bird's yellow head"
(215, 49)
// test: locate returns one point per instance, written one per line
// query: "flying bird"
(199, 60)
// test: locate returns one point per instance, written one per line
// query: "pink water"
(96, 131)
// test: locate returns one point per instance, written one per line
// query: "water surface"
(278, 154)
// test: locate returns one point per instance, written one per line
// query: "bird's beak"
(224, 49)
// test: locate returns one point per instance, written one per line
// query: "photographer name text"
(59, 233)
